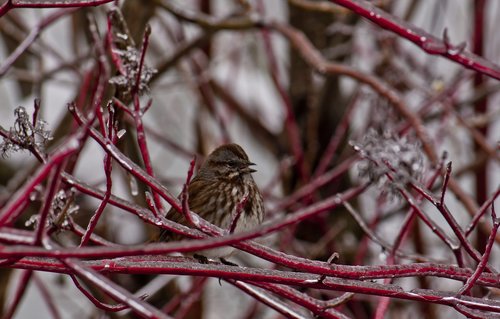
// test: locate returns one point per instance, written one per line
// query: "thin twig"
(484, 259)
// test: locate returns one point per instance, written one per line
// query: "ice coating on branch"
(61, 210)
(63, 207)
(25, 134)
(134, 187)
(120, 133)
(32, 221)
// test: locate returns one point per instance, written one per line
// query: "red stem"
(18, 295)
(100, 209)
(13, 4)
(120, 294)
(240, 207)
(358, 285)
(480, 212)
(452, 222)
(424, 40)
(190, 298)
(487, 252)
(31, 37)
(291, 125)
(340, 134)
(343, 271)
(94, 300)
(318, 307)
(480, 107)
(190, 217)
(47, 203)
(49, 299)
(137, 114)
(13, 207)
(410, 216)
(191, 245)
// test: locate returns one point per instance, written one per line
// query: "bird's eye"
(231, 163)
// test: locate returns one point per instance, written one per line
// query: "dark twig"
(445, 183)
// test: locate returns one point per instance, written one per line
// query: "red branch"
(155, 266)
(31, 37)
(422, 39)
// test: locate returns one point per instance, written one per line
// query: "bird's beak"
(248, 169)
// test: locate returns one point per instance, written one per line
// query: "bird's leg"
(201, 259)
(227, 262)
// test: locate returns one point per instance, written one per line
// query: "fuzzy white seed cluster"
(25, 134)
(387, 152)
(131, 60)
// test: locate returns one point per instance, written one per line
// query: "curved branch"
(422, 39)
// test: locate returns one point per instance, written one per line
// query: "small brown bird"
(222, 189)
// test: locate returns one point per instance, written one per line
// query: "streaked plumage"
(222, 182)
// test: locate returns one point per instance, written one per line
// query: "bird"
(223, 192)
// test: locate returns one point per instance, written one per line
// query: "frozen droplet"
(195, 219)
(121, 133)
(372, 13)
(33, 196)
(382, 256)
(126, 166)
(141, 215)
(310, 281)
(157, 222)
(134, 187)
(416, 167)
(73, 209)
(32, 221)
(337, 199)
(423, 39)
(73, 143)
(20, 112)
(122, 36)
(454, 246)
